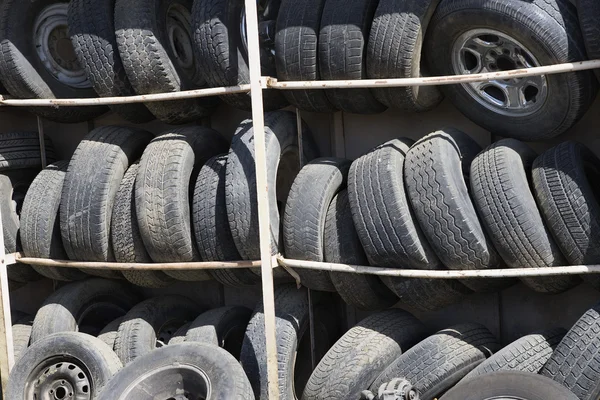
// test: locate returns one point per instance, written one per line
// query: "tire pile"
(95, 338)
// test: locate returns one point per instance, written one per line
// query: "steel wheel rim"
(179, 32)
(54, 49)
(487, 50)
(59, 378)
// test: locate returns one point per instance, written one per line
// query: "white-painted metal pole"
(7, 357)
(40, 125)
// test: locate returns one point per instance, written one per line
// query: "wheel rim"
(486, 50)
(54, 48)
(166, 332)
(267, 16)
(59, 379)
(179, 31)
(173, 382)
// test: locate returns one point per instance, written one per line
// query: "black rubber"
(510, 384)
(40, 225)
(342, 53)
(574, 362)
(549, 29)
(437, 363)
(281, 137)
(126, 239)
(395, 51)
(388, 230)
(436, 179)
(222, 372)
(92, 32)
(21, 331)
(168, 169)
(151, 63)
(222, 58)
(341, 243)
(22, 71)
(108, 334)
(91, 302)
(305, 211)
(358, 357)
(508, 211)
(89, 353)
(21, 149)
(296, 52)
(90, 188)
(567, 187)
(179, 335)
(588, 12)
(528, 354)
(150, 324)
(224, 327)
(211, 226)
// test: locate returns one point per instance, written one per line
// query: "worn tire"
(341, 243)
(436, 178)
(99, 300)
(40, 225)
(437, 363)
(89, 192)
(588, 12)
(221, 372)
(296, 52)
(143, 325)
(21, 331)
(565, 182)
(21, 149)
(126, 239)
(343, 55)
(108, 334)
(152, 65)
(510, 215)
(395, 51)
(211, 226)
(179, 335)
(362, 353)
(549, 30)
(574, 362)
(24, 74)
(305, 211)
(528, 354)
(168, 168)
(96, 360)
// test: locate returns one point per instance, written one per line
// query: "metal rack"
(267, 262)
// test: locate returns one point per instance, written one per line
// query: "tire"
(21, 149)
(527, 354)
(365, 292)
(588, 12)
(305, 211)
(68, 362)
(21, 331)
(395, 51)
(193, 366)
(150, 324)
(574, 362)
(282, 167)
(40, 225)
(223, 327)
(565, 182)
(91, 302)
(108, 334)
(179, 335)
(211, 226)
(437, 363)
(127, 242)
(296, 52)
(503, 198)
(92, 32)
(342, 54)
(151, 65)
(222, 58)
(388, 231)
(162, 194)
(362, 353)
(89, 192)
(23, 72)
(547, 30)
(518, 385)
(436, 178)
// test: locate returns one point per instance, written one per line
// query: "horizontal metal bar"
(434, 80)
(441, 274)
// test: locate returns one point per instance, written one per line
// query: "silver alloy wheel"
(59, 379)
(486, 50)
(54, 48)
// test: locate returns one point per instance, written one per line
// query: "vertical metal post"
(40, 125)
(7, 357)
(256, 86)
